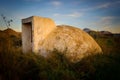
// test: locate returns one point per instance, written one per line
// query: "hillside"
(9, 38)
(108, 41)
(10, 32)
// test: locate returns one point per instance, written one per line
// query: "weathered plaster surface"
(26, 37)
(46, 37)
(41, 27)
(72, 41)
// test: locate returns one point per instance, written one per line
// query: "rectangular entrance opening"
(27, 36)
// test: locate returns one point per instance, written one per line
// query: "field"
(14, 65)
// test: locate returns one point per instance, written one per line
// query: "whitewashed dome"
(72, 42)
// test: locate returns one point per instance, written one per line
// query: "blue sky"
(93, 14)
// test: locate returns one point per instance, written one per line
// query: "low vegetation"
(14, 65)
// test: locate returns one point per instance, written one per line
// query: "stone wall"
(34, 30)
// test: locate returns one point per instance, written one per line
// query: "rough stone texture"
(72, 41)
(35, 29)
(42, 36)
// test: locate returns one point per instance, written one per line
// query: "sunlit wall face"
(93, 14)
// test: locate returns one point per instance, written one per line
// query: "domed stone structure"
(70, 41)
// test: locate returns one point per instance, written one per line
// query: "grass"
(18, 66)
(14, 65)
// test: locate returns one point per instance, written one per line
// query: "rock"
(87, 30)
(72, 42)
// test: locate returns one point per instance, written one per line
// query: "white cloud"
(107, 19)
(56, 14)
(101, 6)
(105, 5)
(56, 3)
(33, 0)
(73, 15)
(107, 23)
